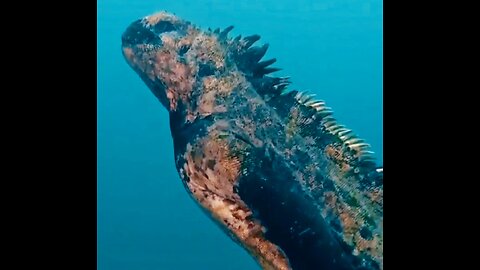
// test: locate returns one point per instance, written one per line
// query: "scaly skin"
(271, 167)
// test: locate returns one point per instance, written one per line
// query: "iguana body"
(271, 167)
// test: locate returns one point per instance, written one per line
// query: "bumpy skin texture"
(272, 167)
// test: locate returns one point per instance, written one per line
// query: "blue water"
(145, 218)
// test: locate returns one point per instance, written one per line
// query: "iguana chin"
(271, 166)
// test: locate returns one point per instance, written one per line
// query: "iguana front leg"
(209, 172)
(210, 165)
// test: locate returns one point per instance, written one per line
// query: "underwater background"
(145, 219)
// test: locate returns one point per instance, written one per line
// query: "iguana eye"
(163, 26)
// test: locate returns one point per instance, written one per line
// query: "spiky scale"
(364, 157)
(267, 70)
(355, 141)
(340, 130)
(324, 108)
(280, 86)
(324, 113)
(263, 64)
(316, 103)
(329, 124)
(305, 99)
(345, 132)
(249, 40)
(256, 53)
(346, 136)
(308, 98)
(319, 107)
(301, 94)
(359, 145)
(328, 119)
(292, 94)
(309, 103)
(336, 128)
(298, 95)
(224, 33)
(332, 127)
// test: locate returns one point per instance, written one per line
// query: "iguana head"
(170, 54)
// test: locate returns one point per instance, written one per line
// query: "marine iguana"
(271, 166)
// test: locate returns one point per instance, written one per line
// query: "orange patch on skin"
(172, 100)
(140, 59)
(209, 83)
(351, 235)
(345, 167)
(247, 233)
(332, 152)
(214, 88)
(168, 41)
(206, 103)
(160, 16)
(373, 247)
(226, 164)
(350, 226)
(223, 85)
(313, 184)
(188, 39)
(128, 53)
(178, 77)
(336, 154)
(226, 168)
(331, 199)
(347, 217)
(377, 196)
(291, 127)
(212, 172)
(209, 49)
